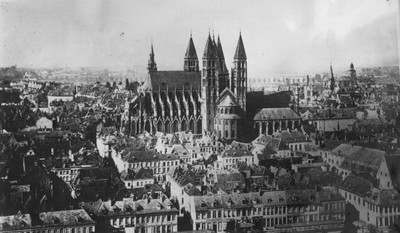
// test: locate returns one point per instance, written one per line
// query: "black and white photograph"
(200, 116)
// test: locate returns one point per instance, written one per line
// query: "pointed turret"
(332, 80)
(191, 62)
(191, 50)
(152, 65)
(240, 52)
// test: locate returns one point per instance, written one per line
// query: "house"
(294, 139)
(229, 158)
(270, 211)
(44, 123)
(364, 161)
(379, 207)
(137, 178)
(146, 215)
(159, 163)
(12, 223)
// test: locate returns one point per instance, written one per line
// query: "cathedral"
(203, 100)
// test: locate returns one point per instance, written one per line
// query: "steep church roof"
(240, 52)
(191, 50)
(171, 80)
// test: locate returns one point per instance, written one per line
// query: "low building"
(58, 221)
(159, 163)
(66, 221)
(381, 208)
(144, 216)
(294, 139)
(14, 223)
(230, 157)
(68, 174)
(44, 124)
(270, 120)
(137, 178)
(365, 162)
(271, 211)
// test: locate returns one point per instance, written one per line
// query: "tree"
(114, 84)
(108, 85)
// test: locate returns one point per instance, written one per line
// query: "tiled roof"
(15, 222)
(145, 156)
(66, 217)
(137, 174)
(357, 157)
(130, 206)
(276, 114)
(236, 153)
(356, 185)
(172, 80)
(290, 136)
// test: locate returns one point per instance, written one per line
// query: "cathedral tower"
(353, 74)
(152, 65)
(238, 82)
(223, 74)
(209, 90)
(191, 61)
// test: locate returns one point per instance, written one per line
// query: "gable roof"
(228, 99)
(276, 114)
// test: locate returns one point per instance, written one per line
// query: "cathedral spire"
(191, 60)
(209, 50)
(240, 51)
(191, 50)
(220, 51)
(152, 65)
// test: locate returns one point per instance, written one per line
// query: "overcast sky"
(280, 36)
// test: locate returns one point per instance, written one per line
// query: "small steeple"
(240, 51)
(332, 79)
(152, 65)
(352, 66)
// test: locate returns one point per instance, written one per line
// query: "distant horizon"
(285, 36)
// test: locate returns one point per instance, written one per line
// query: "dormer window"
(244, 201)
(269, 200)
(203, 204)
(215, 204)
(281, 199)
